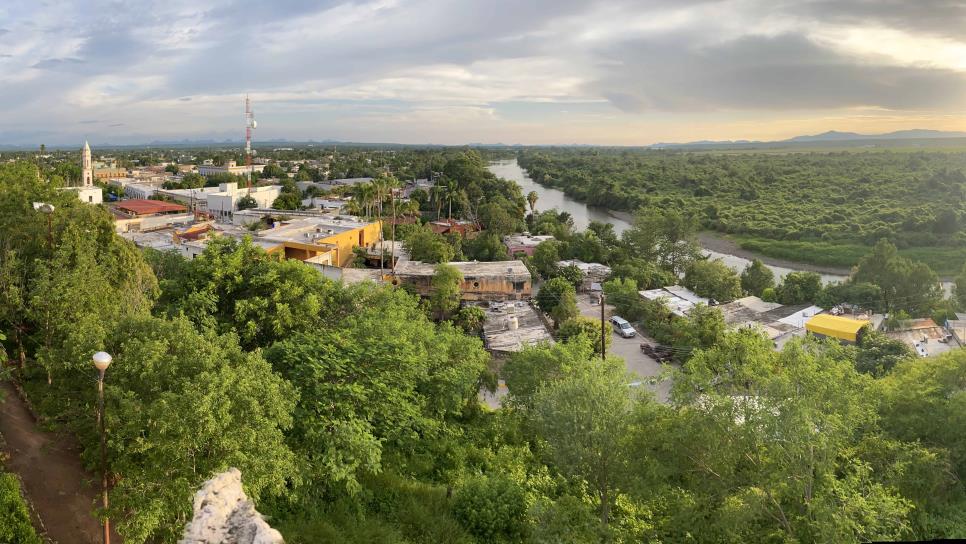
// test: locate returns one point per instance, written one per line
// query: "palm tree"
(363, 195)
(532, 199)
(451, 192)
(438, 191)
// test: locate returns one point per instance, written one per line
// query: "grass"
(945, 261)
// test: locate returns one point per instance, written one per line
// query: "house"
(512, 326)
(779, 323)
(524, 243)
(138, 215)
(592, 272)
(230, 167)
(319, 239)
(680, 300)
(845, 329)
(222, 202)
(459, 226)
(491, 281)
(957, 328)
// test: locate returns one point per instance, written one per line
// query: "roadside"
(60, 492)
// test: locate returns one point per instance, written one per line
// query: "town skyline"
(600, 73)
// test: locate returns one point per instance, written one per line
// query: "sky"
(465, 71)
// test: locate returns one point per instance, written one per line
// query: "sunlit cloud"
(543, 71)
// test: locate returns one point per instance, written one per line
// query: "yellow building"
(319, 240)
(834, 326)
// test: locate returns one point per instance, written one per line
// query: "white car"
(622, 327)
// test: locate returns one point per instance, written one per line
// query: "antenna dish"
(254, 124)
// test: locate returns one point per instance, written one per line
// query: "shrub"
(492, 509)
(14, 517)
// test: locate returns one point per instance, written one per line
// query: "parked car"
(622, 327)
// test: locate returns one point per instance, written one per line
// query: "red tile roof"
(148, 207)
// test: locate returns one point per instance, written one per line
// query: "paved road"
(630, 350)
(61, 492)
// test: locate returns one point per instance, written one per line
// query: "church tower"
(87, 167)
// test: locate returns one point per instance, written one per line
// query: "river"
(549, 197)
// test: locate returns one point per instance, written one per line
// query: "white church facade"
(87, 192)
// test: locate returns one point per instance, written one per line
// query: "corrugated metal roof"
(147, 207)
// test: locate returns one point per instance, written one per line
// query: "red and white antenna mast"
(250, 125)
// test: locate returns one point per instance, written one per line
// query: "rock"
(224, 515)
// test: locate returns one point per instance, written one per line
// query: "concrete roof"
(525, 239)
(499, 338)
(295, 230)
(473, 269)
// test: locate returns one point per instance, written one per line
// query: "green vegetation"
(15, 523)
(823, 208)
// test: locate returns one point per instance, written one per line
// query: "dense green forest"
(353, 412)
(828, 208)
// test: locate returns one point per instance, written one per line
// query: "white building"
(87, 193)
(229, 168)
(222, 201)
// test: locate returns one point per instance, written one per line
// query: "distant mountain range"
(832, 136)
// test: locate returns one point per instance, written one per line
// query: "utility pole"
(392, 256)
(603, 330)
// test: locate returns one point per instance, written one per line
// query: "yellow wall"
(351, 239)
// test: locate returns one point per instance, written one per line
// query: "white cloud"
(471, 70)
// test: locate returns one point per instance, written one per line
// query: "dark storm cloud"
(760, 72)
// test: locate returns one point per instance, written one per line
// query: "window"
(518, 285)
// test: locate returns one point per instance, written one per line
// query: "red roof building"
(138, 207)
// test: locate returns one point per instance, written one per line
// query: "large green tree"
(182, 406)
(558, 299)
(713, 279)
(382, 378)
(237, 286)
(584, 419)
(445, 297)
(756, 277)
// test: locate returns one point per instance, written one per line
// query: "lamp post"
(102, 360)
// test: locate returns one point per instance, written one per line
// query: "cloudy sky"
(460, 71)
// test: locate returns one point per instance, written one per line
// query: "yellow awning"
(843, 328)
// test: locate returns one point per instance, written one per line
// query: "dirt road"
(60, 491)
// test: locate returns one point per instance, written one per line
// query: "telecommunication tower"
(250, 125)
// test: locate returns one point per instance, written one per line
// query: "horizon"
(606, 73)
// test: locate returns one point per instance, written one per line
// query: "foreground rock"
(224, 515)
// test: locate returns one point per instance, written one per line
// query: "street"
(629, 349)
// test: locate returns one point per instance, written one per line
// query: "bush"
(15, 523)
(492, 509)
(587, 329)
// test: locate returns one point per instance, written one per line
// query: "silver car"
(622, 327)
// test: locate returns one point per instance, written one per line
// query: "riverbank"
(716, 242)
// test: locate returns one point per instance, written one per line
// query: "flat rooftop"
(526, 239)
(500, 338)
(472, 269)
(317, 227)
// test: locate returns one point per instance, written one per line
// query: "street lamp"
(102, 360)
